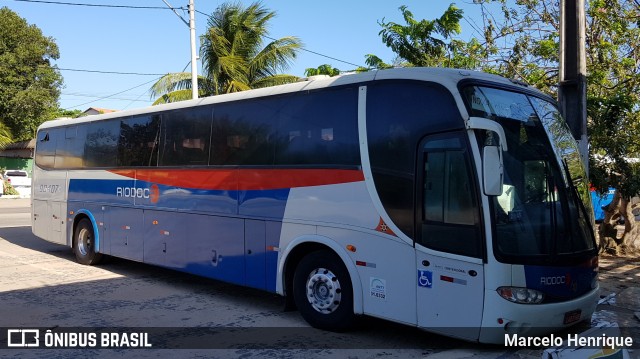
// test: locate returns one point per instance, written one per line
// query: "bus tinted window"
(319, 128)
(243, 132)
(312, 128)
(399, 113)
(101, 147)
(46, 146)
(70, 149)
(186, 137)
(139, 139)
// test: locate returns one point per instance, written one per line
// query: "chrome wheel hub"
(84, 241)
(323, 290)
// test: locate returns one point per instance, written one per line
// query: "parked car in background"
(1, 184)
(19, 180)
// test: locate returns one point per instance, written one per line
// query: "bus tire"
(323, 292)
(84, 243)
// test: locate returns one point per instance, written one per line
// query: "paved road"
(12, 212)
(42, 286)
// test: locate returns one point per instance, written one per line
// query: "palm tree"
(5, 136)
(233, 58)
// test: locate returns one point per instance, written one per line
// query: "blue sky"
(153, 41)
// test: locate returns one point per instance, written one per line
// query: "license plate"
(572, 316)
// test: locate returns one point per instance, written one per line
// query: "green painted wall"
(11, 163)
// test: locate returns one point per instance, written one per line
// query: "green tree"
(29, 84)
(372, 61)
(521, 41)
(529, 34)
(375, 62)
(429, 43)
(423, 42)
(60, 112)
(613, 40)
(233, 56)
(325, 69)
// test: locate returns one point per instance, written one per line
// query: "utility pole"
(192, 33)
(572, 93)
(194, 62)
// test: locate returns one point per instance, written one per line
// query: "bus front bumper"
(503, 318)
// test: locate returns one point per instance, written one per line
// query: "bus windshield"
(540, 216)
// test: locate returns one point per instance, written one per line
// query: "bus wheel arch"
(310, 256)
(83, 241)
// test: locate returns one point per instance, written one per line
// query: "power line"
(329, 57)
(138, 98)
(96, 5)
(154, 8)
(303, 49)
(116, 94)
(112, 96)
(75, 94)
(110, 72)
(159, 8)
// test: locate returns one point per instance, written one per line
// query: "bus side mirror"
(492, 165)
(492, 170)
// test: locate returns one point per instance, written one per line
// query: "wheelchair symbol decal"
(425, 278)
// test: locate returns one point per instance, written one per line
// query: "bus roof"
(447, 77)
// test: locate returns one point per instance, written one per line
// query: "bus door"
(449, 247)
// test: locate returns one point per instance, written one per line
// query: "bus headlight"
(521, 295)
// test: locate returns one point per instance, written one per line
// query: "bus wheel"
(323, 293)
(84, 243)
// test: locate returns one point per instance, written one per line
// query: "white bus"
(449, 200)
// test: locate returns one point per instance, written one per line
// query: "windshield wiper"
(551, 183)
(577, 199)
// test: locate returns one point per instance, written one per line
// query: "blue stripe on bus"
(201, 242)
(560, 282)
(269, 203)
